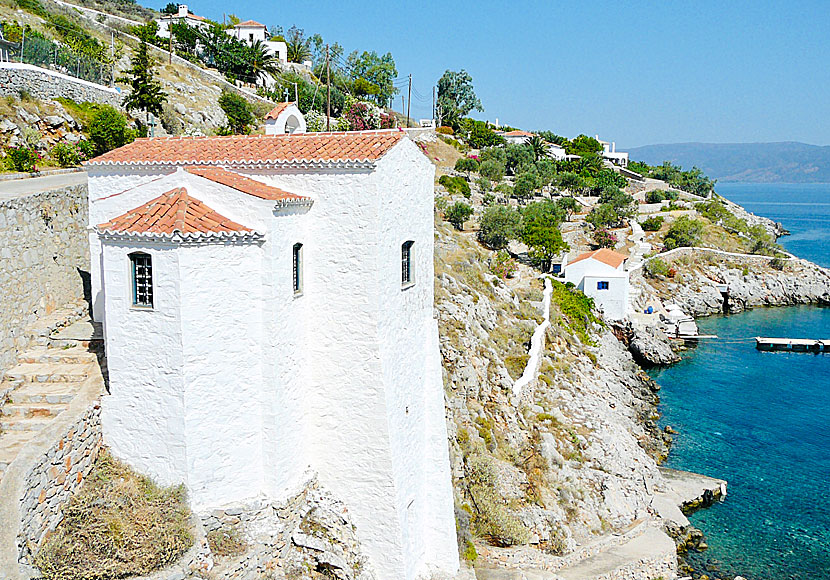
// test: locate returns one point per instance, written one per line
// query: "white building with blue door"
(601, 275)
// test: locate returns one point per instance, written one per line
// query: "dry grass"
(120, 524)
(226, 541)
(443, 156)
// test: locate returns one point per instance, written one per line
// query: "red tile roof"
(275, 112)
(172, 212)
(244, 184)
(606, 256)
(250, 23)
(517, 133)
(355, 146)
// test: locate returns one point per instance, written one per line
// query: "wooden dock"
(792, 344)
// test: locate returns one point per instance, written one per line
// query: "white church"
(267, 303)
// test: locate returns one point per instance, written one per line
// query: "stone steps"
(48, 372)
(31, 410)
(8, 425)
(52, 393)
(70, 355)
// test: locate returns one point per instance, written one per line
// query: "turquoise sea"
(761, 420)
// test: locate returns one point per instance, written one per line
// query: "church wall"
(142, 417)
(221, 294)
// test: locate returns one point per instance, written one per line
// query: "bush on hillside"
(653, 223)
(444, 130)
(655, 267)
(492, 170)
(467, 165)
(238, 111)
(498, 225)
(684, 232)
(22, 159)
(108, 130)
(458, 213)
(67, 154)
(454, 184)
(120, 524)
(605, 238)
(503, 265)
(655, 196)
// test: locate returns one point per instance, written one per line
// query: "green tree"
(262, 62)
(458, 213)
(456, 96)
(568, 205)
(108, 130)
(186, 38)
(583, 145)
(492, 170)
(540, 231)
(526, 185)
(373, 75)
(546, 170)
(571, 181)
(552, 137)
(603, 216)
(498, 225)
(467, 165)
(480, 136)
(517, 156)
(238, 112)
(146, 94)
(298, 47)
(685, 231)
(171, 8)
(538, 147)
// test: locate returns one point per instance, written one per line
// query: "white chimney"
(182, 10)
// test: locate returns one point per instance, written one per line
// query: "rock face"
(650, 347)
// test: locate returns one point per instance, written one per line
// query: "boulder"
(54, 121)
(651, 346)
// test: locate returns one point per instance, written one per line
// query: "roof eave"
(177, 237)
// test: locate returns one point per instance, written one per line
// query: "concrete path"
(21, 187)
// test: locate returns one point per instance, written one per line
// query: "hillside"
(786, 162)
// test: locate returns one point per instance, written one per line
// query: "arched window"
(142, 277)
(297, 270)
(406, 263)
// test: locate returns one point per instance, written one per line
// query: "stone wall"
(47, 84)
(52, 481)
(44, 261)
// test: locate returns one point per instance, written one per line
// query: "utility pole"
(169, 46)
(22, 42)
(328, 91)
(409, 100)
(433, 107)
(403, 104)
(296, 96)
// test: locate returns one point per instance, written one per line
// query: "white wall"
(143, 416)
(613, 301)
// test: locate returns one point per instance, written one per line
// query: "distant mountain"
(787, 162)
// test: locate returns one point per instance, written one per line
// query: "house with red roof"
(267, 305)
(183, 15)
(251, 31)
(516, 137)
(601, 275)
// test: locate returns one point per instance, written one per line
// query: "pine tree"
(146, 94)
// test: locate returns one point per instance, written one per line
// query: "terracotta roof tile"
(517, 133)
(171, 212)
(604, 255)
(243, 183)
(275, 112)
(355, 146)
(250, 23)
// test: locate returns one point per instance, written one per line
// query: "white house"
(285, 119)
(251, 31)
(556, 151)
(515, 137)
(183, 15)
(267, 304)
(600, 275)
(609, 152)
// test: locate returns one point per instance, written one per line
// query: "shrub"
(466, 165)
(498, 225)
(455, 184)
(67, 154)
(653, 223)
(503, 265)
(484, 184)
(120, 524)
(655, 196)
(444, 130)
(576, 308)
(491, 169)
(458, 213)
(238, 111)
(684, 232)
(526, 185)
(108, 130)
(21, 159)
(491, 518)
(655, 267)
(315, 121)
(777, 263)
(605, 238)
(470, 553)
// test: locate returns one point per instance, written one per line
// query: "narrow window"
(557, 268)
(406, 262)
(602, 285)
(297, 273)
(142, 270)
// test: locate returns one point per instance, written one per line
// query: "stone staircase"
(41, 386)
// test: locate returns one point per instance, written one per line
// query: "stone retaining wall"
(44, 262)
(52, 481)
(47, 84)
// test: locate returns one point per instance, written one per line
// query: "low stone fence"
(43, 83)
(52, 481)
(44, 262)
(45, 474)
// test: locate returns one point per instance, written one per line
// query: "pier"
(792, 344)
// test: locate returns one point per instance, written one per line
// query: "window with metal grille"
(406, 262)
(297, 273)
(142, 268)
(602, 285)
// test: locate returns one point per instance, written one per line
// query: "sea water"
(761, 420)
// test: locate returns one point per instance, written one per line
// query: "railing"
(47, 54)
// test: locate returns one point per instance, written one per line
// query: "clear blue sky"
(635, 72)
